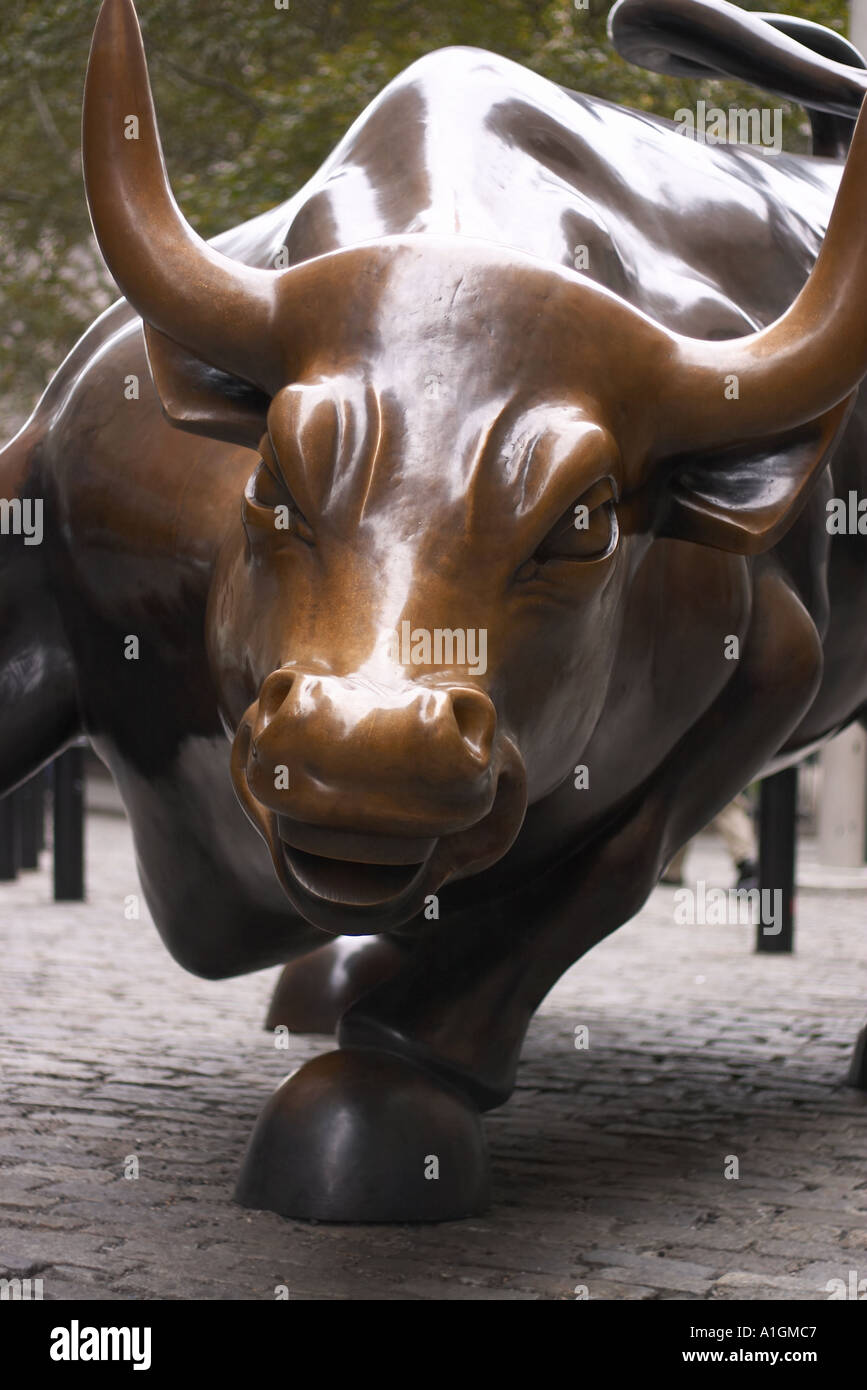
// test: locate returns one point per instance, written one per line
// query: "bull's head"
(464, 454)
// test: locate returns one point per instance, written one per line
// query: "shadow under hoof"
(358, 1135)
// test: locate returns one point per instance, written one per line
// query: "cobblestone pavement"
(608, 1164)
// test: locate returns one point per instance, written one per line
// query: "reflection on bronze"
(499, 576)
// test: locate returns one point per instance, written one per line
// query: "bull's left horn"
(797, 368)
(212, 305)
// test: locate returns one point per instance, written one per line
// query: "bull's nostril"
(476, 720)
(275, 692)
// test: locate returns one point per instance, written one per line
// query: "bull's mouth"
(352, 870)
(351, 883)
(344, 883)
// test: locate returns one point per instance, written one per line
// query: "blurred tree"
(251, 98)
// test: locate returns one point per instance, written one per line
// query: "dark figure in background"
(734, 823)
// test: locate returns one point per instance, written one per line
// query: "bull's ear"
(744, 498)
(203, 399)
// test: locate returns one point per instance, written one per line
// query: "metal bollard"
(69, 826)
(778, 806)
(10, 837)
(29, 805)
(41, 782)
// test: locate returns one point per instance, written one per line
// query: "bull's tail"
(793, 58)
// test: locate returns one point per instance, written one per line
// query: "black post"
(29, 801)
(69, 826)
(10, 837)
(40, 785)
(778, 806)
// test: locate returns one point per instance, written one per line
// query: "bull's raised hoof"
(313, 993)
(359, 1135)
(858, 1067)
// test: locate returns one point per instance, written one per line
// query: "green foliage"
(251, 98)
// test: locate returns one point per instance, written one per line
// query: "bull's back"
(708, 239)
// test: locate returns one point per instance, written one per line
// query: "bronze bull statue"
(451, 488)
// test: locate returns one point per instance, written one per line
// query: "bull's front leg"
(358, 1134)
(313, 993)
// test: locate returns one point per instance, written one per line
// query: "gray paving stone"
(607, 1164)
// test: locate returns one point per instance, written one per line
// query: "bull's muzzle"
(370, 796)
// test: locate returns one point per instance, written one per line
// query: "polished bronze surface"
(434, 548)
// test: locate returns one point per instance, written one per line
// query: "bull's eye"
(266, 490)
(269, 505)
(586, 531)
